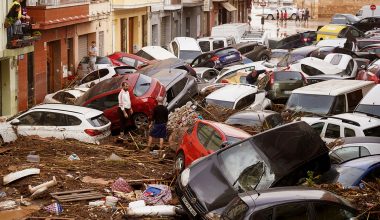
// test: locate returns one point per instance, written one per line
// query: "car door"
(70, 127)
(319, 128)
(203, 134)
(333, 132)
(326, 210)
(29, 123)
(292, 211)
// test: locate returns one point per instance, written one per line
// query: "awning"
(228, 6)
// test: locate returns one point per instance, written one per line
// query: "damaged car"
(65, 96)
(277, 157)
(171, 63)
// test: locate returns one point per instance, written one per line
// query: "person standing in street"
(281, 16)
(302, 14)
(277, 16)
(125, 108)
(158, 125)
(307, 14)
(285, 16)
(298, 15)
(92, 54)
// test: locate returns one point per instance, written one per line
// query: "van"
(185, 48)
(332, 31)
(370, 104)
(235, 30)
(329, 97)
(213, 43)
(366, 11)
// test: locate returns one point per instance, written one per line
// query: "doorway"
(187, 34)
(130, 34)
(30, 72)
(123, 26)
(53, 62)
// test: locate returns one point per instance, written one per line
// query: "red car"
(204, 138)
(143, 91)
(371, 74)
(126, 59)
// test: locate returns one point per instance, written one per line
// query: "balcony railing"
(21, 35)
(55, 2)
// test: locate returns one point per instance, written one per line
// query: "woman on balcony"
(15, 27)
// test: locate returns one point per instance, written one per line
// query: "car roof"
(88, 112)
(122, 54)
(280, 195)
(361, 120)
(158, 52)
(326, 67)
(363, 162)
(332, 87)
(228, 130)
(372, 97)
(187, 43)
(253, 115)
(232, 92)
(357, 140)
(331, 28)
(169, 77)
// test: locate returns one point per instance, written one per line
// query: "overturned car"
(277, 157)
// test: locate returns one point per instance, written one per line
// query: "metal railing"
(55, 2)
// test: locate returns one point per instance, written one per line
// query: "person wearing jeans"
(125, 108)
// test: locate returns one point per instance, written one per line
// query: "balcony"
(171, 5)
(57, 3)
(131, 4)
(22, 41)
(99, 10)
(191, 3)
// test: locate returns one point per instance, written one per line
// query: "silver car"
(84, 66)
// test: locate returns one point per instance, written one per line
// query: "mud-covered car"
(277, 157)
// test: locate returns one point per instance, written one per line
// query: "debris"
(43, 185)
(20, 174)
(73, 157)
(96, 203)
(159, 210)
(157, 194)
(2, 194)
(5, 149)
(76, 195)
(33, 158)
(8, 204)
(111, 201)
(54, 208)
(139, 203)
(99, 181)
(24, 202)
(48, 218)
(39, 192)
(114, 157)
(121, 185)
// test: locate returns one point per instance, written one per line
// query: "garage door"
(82, 46)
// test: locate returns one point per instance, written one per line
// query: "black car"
(180, 86)
(171, 63)
(368, 23)
(295, 41)
(255, 119)
(277, 157)
(344, 19)
(218, 59)
(288, 203)
(253, 51)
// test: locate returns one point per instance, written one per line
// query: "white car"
(346, 125)
(96, 77)
(355, 147)
(65, 96)
(259, 36)
(370, 104)
(229, 71)
(239, 96)
(213, 43)
(154, 53)
(185, 48)
(58, 121)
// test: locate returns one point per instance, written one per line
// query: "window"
(32, 118)
(349, 68)
(349, 132)
(374, 132)
(145, 55)
(103, 60)
(348, 153)
(311, 71)
(332, 131)
(336, 59)
(215, 142)
(265, 214)
(63, 97)
(142, 85)
(287, 75)
(72, 120)
(179, 86)
(95, 75)
(245, 102)
(353, 99)
(98, 121)
(128, 61)
(326, 211)
(54, 119)
(104, 102)
(204, 45)
(209, 74)
(236, 210)
(318, 127)
(217, 44)
(339, 105)
(204, 133)
(298, 211)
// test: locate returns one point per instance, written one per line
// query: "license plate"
(287, 92)
(188, 206)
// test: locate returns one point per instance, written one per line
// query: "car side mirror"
(15, 122)
(224, 144)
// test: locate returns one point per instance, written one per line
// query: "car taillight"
(374, 78)
(215, 58)
(92, 132)
(305, 39)
(271, 79)
(224, 81)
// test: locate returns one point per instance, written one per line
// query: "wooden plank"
(77, 195)
(74, 191)
(48, 218)
(5, 149)
(84, 198)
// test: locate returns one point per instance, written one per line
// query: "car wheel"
(293, 17)
(264, 57)
(270, 17)
(179, 164)
(140, 120)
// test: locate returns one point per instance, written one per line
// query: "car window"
(63, 97)
(339, 105)
(32, 118)
(287, 75)
(374, 132)
(103, 60)
(72, 120)
(145, 55)
(274, 120)
(54, 119)
(204, 133)
(215, 142)
(349, 132)
(105, 102)
(142, 85)
(336, 59)
(179, 86)
(331, 211)
(332, 131)
(204, 45)
(265, 214)
(225, 51)
(295, 211)
(355, 33)
(95, 75)
(318, 127)
(346, 153)
(245, 102)
(236, 210)
(353, 99)
(129, 61)
(98, 121)
(311, 71)
(217, 44)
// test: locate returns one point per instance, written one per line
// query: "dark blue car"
(218, 59)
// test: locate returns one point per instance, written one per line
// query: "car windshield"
(318, 104)
(188, 55)
(289, 59)
(371, 110)
(375, 69)
(98, 121)
(287, 75)
(222, 103)
(142, 85)
(245, 168)
(103, 60)
(244, 121)
(347, 176)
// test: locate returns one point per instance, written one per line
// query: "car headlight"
(185, 175)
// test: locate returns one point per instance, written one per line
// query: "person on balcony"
(15, 24)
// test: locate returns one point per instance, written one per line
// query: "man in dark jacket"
(252, 77)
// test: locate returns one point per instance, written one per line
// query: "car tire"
(140, 120)
(270, 17)
(293, 17)
(179, 164)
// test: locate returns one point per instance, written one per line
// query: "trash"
(159, 210)
(43, 185)
(2, 194)
(114, 157)
(8, 204)
(96, 203)
(73, 157)
(121, 185)
(38, 192)
(111, 201)
(24, 202)
(20, 174)
(54, 208)
(99, 181)
(33, 158)
(157, 194)
(139, 203)
(76, 195)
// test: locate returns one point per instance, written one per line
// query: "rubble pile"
(216, 113)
